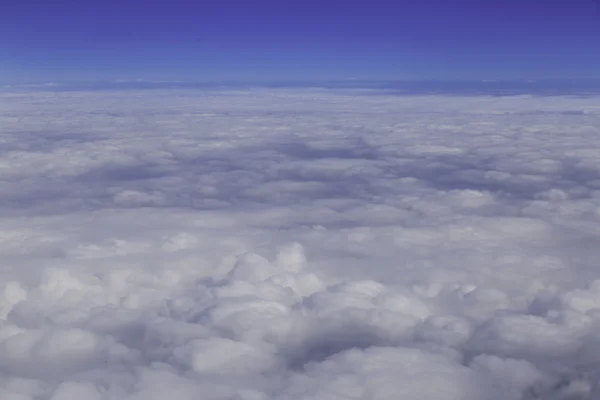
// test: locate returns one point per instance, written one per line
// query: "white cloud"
(298, 244)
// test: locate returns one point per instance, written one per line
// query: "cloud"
(298, 244)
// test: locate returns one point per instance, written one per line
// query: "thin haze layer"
(298, 244)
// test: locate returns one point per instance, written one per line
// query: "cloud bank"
(298, 244)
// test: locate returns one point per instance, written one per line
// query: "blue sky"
(299, 40)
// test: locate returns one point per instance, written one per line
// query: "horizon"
(542, 87)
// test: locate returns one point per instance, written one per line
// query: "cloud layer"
(298, 244)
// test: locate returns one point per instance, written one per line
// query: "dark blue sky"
(298, 40)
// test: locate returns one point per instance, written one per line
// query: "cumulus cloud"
(298, 244)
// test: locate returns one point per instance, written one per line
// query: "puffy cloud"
(298, 244)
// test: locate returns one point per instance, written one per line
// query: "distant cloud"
(298, 244)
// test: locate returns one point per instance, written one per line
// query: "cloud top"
(298, 244)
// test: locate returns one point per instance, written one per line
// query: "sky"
(294, 244)
(303, 40)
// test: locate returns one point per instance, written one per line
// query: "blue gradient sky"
(299, 40)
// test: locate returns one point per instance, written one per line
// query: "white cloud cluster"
(298, 244)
